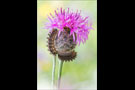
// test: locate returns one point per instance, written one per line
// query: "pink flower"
(72, 20)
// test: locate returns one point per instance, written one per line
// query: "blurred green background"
(80, 74)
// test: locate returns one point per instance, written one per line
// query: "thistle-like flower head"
(77, 24)
(67, 29)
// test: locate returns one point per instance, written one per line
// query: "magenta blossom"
(72, 20)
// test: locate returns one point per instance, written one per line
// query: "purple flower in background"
(78, 25)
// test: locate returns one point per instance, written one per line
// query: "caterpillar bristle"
(51, 42)
(68, 58)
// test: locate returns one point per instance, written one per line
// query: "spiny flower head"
(79, 26)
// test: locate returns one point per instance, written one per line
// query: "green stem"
(53, 71)
(60, 72)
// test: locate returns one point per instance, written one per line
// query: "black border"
(20, 45)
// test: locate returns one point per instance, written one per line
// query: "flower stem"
(60, 72)
(53, 71)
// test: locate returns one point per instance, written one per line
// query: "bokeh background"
(80, 74)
